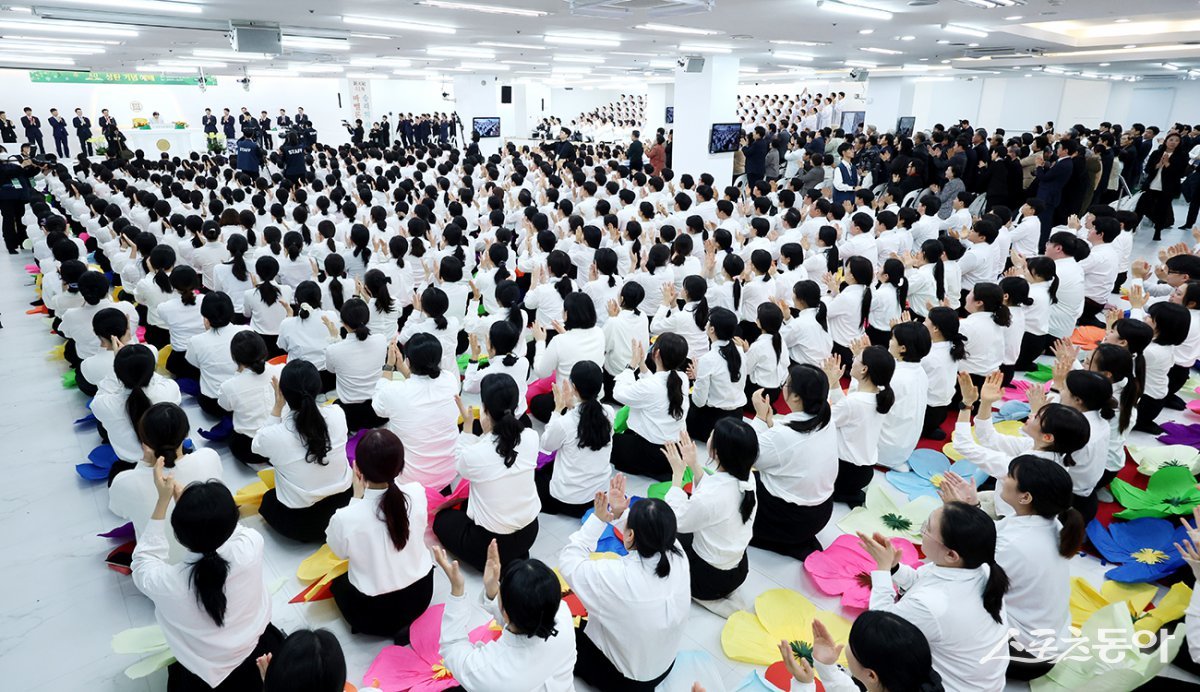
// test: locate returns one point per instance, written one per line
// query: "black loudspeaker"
(505, 94)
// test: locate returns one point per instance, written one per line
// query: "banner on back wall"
(74, 77)
(360, 101)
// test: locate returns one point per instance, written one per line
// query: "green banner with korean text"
(75, 77)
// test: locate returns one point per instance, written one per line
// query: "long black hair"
(893, 269)
(133, 367)
(654, 529)
(895, 650)
(595, 429)
(204, 518)
(914, 338)
(162, 259)
(809, 292)
(267, 268)
(380, 459)
(810, 385)
(499, 395)
(531, 595)
(435, 303)
(735, 445)
(183, 279)
(672, 350)
(163, 428)
(861, 270)
(1093, 391)
(376, 283)
(335, 270)
(724, 323)
(1118, 362)
(1068, 427)
(1050, 488)
(508, 296)
(770, 320)
(733, 265)
(971, 533)
(992, 298)
(356, 316)
(249, 351)
(932, 251)
(880, 366)
(424, 354)
(946, 321)
(300, 383)
(307, 661)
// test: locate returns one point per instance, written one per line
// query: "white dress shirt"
(985, 344)
(264, 318)
(307, 339)
(357, 365)
(682, 322)
(713, 516)
(209, 351)
(858, 426)
(229, 284)
(109, 408)
(1026, 234)
(1037, 316)
(182, 321)
(519, 371)
(844, 315)
(619, 334)
(1039, 578)
(649, 406)
(251, 398)
(885, 307)
(77, 324)
(946, 604)
(579, 472)
(358, 533)
(504, 499)
(806, 340)
(636, 618)
(204, 649)
(300, 483)
(799, 468)
(422, 413)
(902, 424)
(1069, 307)
(567, 349)
(942, 373)
(763, 367)
(713, 386)
(1100, 270)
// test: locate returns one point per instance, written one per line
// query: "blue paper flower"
(929, 466)
(1144, 548)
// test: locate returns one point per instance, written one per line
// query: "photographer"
(16, 190)
(295, 166)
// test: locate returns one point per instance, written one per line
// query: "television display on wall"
(486, 127)
(670, 114)
(724, 138)
(852, 119)
(905, 125)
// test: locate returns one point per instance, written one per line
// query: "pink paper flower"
(1019, 390)
(418, 667)
(844, 568)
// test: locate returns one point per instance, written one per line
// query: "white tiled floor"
(61, 606)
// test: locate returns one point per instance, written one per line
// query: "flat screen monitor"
(724, 138)
(905, 125)
(670, 114)
(852, 119)
(486, 127)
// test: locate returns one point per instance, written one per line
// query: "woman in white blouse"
(580, 340)
(123, 398)
(547, 293)
(806, 335)
(209, 351)
(181, 317)
(503, 505)
(385, 312)
(797, 465)
(307, 448)
(303, 334)
(580, 435)
(154, 289)
(909, 343)
(983, 330)
(658, 405)
(504, 354)
(720, 377)
(849, 307)
(264, 304)
(214, 610)
(249, 395)
(382, 533)
(638, 605)
(859, 415)
(767, 360)
(956, 598)
(716, 522)
(233, 277)
(690, 321)
(356, 361)
(536, 648)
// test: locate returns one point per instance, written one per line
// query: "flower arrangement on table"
(141, 124)
(181, 125)
(99, 144)
(216, 143)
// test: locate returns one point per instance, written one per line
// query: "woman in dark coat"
(1164, 179)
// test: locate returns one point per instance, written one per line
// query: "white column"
(658, 98)
(702, 99)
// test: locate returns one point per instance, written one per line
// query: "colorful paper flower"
(1151, 459)
(319, 569)
(1107, 657)
(1144, 549)
(1171, 492)
(844, 568)
(1019, 390)
(1086, 601)
(928, 468)
(779, 615)
(147, 642)
(882, 515)
(1011, 428)
(1043, 373)
(418, 667)
(1180, 434)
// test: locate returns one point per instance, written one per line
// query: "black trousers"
(1086, 506)
(157, 337)
(934, 417)
(596, 670)
(702, 419)
(36, 143)
(244, 678)
(551, 504)
(383, 615)
(83, 385)
(851, 480)
(469, 542)
(1148, 409)
(636, 455)
(178, 366)
(708, 582)
(785, 528)
(306, 525)
(210, 406)
(1032, 346)
(85, 146)
(1090, 310)
(879, 337)
(62, 146)
(845, 354)
(361, 415)
(1176, 376)
(11, 211)
(239, 444)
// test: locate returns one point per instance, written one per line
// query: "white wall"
(701, 99)
(395, 96)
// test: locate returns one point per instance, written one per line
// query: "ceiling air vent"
(652, 8)
(1001, 52)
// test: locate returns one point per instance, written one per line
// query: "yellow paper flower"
(779, 614)
(1086, 601)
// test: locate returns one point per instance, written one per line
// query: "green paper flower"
(882, 514)
(1171, 492)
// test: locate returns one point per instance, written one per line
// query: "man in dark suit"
(406, 130)
(33, 131)
(58, 126)
(302, 119)
(755, 148)
(636, 151)
(229, 125)
(385, 131)
(1052, 177)
(208, 121)
(264, 131)
(83, 130)
(564, 149)
(424, 129)
(283, 120)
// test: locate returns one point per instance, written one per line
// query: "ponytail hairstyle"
(734, 265)
(827, 237)
(307, 296)
(1068, 427)
(307, 660)
(293, 243)
(672, 350)
(1171, 323)
(809, 293)
(946, 321)
(498, 255)
(915, 340)
(971, 533)
(237, 245)
(162, 259)
(657, 258)
(860, 269)
(932, 251)
(631, 296)
(875, 639)
(398, 248)
(110, 323)
(559, 265)
(531, 595)
(503, 338)
(761, 261)
(606, 264)
(335, 270)
(770, 321)
(894, 270)
(1016, 291)
(1045, 269)
(205, 517)
(508, 296)
(992, 298)
(1092, 391)
(810, 386)
(452, 236)
(633, 231)
(249, 351)
(724, 325)
(424, 355)
(361, 238)
(579, 312)
(1050, 489)
(1118, 363)
(653, 527)
(274, 238)
(380, 459)
(595, 428)
(356, 316)
(267, 268)
(327, 230)
(376, 283)
(217, 308)
(694, 290)
(134, 367)
(300, 383)
(434, 303)
(879, 366)
(681, 249)
(162, 429)
(183, 279)
(498, 395)
(735, 446)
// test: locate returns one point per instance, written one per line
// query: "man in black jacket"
(83, 130)
(755, 150)
(208, 121)
(564, 149)
(33, 131)
(636, 152)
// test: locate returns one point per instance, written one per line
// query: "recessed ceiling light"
(145, 5)
(87, 28)
(489, 9)
(673, 29)
(502, 44)
(55, 39)
(1026, 75)
(782, 55)
(800, 43)
(1131, 45)
(924, 59)
(599, 40)
(945, 62)
(882, 51)
(1013, 18)
(854, 10)
(942, 41)
(865, 32)
(1122, 20)
(972, 45)
(461, 52)
(377, 37)
(400, 24)
(1105, 64)
(703, 48)
(314, 43)
(964, 30)
(579, 58)
(908, 38)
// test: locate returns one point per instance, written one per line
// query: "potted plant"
(99, 145)
(216, 143)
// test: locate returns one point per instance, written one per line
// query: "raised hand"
(452, 570)
(955, 488)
